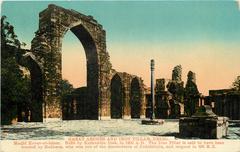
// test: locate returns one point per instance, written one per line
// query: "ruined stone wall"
(181, 100)
(192, 95)
(160, 85)
(226, 103)
(122, 106)
(177, 73)
(176, 88)
(162, 97)
(54, 22)
(126, 80)
(163, 108)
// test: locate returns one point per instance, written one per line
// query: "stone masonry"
(54, 22)
(46, 48)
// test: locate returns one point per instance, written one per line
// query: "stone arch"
(37, 101)
(91, 107)
(117, 97)
(54, 22)
(135, 98)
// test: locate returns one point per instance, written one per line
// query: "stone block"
(204, 124)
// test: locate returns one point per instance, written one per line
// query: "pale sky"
(201, 36)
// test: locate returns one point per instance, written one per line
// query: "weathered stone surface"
(160, 85)
(209, 128)
(191, 86)
(226, 103)
(176, 88)
(203, 124)
(204, 111)
(99, 98)
(117, 97)
(191, 94)
(35, 107)
(191, 76)
(131, 94)
(163, 107)
(177, 73)
(54, 22)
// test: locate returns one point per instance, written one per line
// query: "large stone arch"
(117, 97)
(54, 22)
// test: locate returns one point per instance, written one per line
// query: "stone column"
(152, 89)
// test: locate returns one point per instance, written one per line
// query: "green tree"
(15, 86)
(65, 91)
(65, 87)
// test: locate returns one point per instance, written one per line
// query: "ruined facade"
(168, 96)
(126, 99)
(177, 73)
(172, 99)
(226, 102)
(163, 98)
(176, 88)
(108, 93)
(130, 95)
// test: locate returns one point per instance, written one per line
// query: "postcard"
(120, 76)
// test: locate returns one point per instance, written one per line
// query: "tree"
(15, 86)
(65, 91)
(65, 87)
(8, 36)
(236, 84)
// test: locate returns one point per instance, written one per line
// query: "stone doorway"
(135, 98)
(116, 97)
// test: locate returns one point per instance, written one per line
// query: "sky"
(202, 36)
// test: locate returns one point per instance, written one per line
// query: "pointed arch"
(36, 105)
(117, 97)
(54, 22)
(135, 98)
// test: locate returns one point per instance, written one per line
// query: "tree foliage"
(65, 87)
(8, 36)
(15, 86)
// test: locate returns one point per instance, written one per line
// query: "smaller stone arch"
(36, 74)
(117, 97)
(136, 98)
